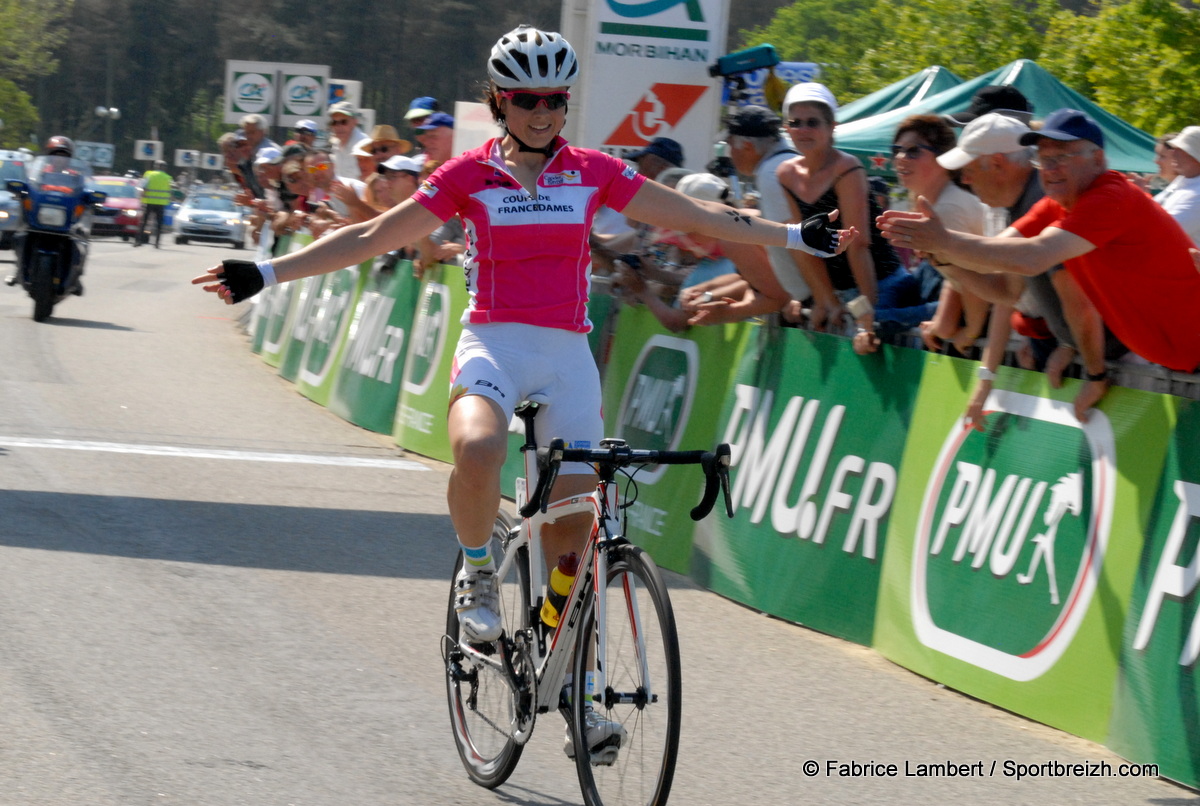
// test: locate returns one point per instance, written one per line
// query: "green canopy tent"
(1127, 147)
(912, 90)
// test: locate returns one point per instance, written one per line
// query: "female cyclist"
(527, 200)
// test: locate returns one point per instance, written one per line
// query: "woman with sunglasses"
(821, 179)
(527, 200)
(920, 139)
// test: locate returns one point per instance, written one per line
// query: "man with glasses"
(1128, 255)
(344, 134)
(436, 136)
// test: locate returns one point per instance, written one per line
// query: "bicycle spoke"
(640, 666)
(485, 710)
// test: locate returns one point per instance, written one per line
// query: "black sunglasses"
(912, 152)
(529, 100)
(800, 123)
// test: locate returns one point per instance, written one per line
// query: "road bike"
(614, 649)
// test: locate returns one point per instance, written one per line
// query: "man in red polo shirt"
(1128, 255)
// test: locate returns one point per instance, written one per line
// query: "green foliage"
(29, 34)
(1139, 59)
(19, 116)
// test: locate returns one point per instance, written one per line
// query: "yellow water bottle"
(561, 579)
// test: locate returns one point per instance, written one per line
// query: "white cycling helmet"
(528, 59)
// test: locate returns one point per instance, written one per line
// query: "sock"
(478, 557)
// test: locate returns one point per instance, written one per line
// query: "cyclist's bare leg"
(571, 533)
(478, 435)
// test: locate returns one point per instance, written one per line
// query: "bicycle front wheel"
(491, 706)
(639, 681)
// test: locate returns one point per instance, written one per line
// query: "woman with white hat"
(821, 179)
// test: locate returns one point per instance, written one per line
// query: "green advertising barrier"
(285, 299)
(420, 424)
(333, 309)
(817, 435)
(1156, 716)
(1011, 553)
(268, 303)
(663, 391)
(367, 386)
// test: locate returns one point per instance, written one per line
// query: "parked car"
(12, 166)
(211, 215)
(121, 213)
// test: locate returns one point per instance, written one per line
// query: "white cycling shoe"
(478, 604)
(604, 738)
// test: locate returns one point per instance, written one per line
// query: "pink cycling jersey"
(527, 259)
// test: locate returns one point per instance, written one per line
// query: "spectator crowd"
(1007, 238)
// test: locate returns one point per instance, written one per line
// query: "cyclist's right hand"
(232, 281)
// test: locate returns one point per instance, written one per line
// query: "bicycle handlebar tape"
(711, 486)
(815, 235)
(242, 277)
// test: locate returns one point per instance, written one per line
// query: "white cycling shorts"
(510, 362)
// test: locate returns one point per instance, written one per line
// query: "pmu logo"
(658, 397)
(655, 114)
(428, 339)
(333, 306)
(650, 7)
(1011, 539)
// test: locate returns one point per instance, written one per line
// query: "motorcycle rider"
(64, 148)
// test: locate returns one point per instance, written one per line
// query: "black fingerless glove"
(242, 278)
(819, 235)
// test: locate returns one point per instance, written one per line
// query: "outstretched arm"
(349, 246)
(923, 230)
(663, 207)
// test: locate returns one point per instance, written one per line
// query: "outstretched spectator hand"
(919, 229)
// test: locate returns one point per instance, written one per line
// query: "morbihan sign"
(644, 73)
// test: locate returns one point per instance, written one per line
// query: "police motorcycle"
(51, 244)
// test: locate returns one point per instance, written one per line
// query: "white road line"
(207, 453)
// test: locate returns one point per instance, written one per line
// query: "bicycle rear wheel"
(642, 685)
(490, 718)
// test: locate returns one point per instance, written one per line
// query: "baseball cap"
(435, 120)
(706, 187)
(239, 135)
(420, 107)
(753, 121)
(663, 147)
(268, 156)
(1188, 141)
(809, 92)
(1066, 124)
(399, 162)
(343, 108)
(993, 98)
(993, 133)
(306, 126)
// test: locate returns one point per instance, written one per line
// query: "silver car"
(211, 215)
(12, 166)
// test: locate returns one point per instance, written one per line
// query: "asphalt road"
(213, 593)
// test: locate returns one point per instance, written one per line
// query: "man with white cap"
(757, 148)
(345, 135)
(1127, 254)
(1181, 198)
(1000, 171)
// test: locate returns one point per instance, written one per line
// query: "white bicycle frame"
(552, 657)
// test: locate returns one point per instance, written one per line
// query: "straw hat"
(387, 134)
